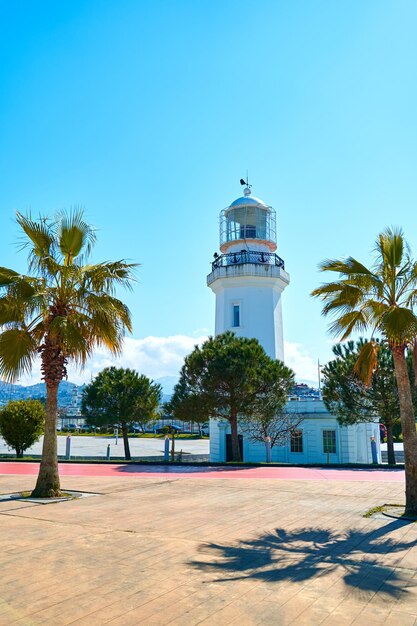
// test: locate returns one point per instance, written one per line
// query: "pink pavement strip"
(140, 471)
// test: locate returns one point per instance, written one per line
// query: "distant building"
(71, 413)
(248, 279)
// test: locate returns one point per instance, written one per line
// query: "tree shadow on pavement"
(306, 553)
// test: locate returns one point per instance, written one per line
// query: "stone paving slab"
(188, 551)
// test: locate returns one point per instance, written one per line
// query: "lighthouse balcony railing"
(247, 256)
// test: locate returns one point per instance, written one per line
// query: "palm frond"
(74, 235)
(347, 299)
(11, 311)
(22, 300)
(375, 308)
(392, 247)
(109, 332)
(104, 304)
(411, 299)
(72, 334)
(347, 266)
(7, 276)
(107, 276)
(344, 325)
(367, 361)
(38, 232)
(18, 349)
(399, 324)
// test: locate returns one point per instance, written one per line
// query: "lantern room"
(248, 222)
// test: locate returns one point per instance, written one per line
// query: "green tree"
(183, 405)
(276, 428)
(60, 311)
(347, 397)
(22, 423)
(120, 396)
(380, 299)
(231, 378)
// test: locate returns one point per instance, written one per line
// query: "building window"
(247, 231)
(329, 441)
(297, 441)
(236, 316)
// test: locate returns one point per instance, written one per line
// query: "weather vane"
(246, 182)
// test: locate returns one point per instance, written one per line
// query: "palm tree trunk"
(415, 361)
(48, 485)
(235, 439)
(390, 445)
(408, 426)
(126, 441)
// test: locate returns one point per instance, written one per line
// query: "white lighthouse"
(248, 278)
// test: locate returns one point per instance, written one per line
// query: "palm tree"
(380, 300)
(59, 312)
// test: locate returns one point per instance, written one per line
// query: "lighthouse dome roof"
(247, 201)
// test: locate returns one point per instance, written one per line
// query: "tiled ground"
(186, 551)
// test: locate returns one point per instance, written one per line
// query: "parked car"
(85, 428)
(169, 428)
(72, 427)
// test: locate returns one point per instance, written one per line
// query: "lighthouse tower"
(248, 277)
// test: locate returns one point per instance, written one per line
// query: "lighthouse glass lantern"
(248, 219)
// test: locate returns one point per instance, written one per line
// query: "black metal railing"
(247, 256)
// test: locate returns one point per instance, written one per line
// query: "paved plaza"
(170, 548)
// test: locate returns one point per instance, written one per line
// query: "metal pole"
(268, 449)
(166, 449)
(116, 434)
(68, 448)
(374, 452)
(173, 446)
(319, 375)
(108, 453)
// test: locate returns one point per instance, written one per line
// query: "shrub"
(22, 423)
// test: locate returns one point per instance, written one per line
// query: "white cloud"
(153, 356)
(304, 366)
(158, 357)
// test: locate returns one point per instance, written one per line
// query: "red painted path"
(140, 471)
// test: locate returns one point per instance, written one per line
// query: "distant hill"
(66, 392)
(8, 391)
(167, 383)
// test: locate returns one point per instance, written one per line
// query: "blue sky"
(148, 113)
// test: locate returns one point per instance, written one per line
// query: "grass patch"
(375, 509)
(64, 494)
(382, 509)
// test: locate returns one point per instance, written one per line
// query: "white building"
(248, 279)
